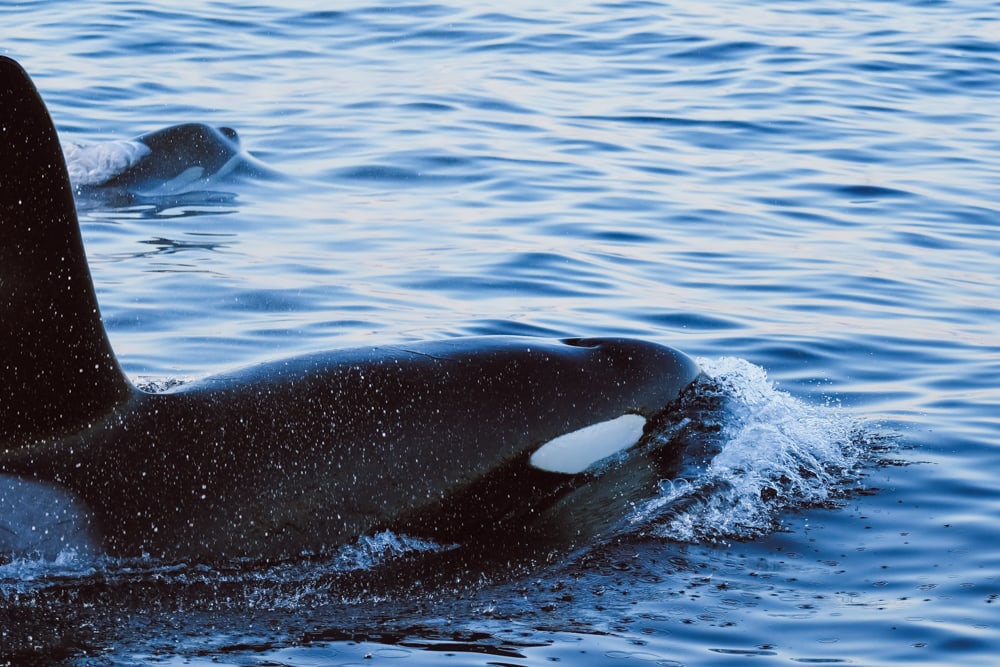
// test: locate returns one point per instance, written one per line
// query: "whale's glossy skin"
(313, 451)
(292, 456)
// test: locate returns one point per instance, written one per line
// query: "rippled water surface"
(806, 190)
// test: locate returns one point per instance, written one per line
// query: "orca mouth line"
(300, 455)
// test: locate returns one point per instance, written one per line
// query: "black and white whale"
(292, 456)
(174, 159)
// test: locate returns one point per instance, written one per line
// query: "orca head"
(587, 457)
(178, 157)
(195, 142)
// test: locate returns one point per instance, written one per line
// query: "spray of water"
(760, 453)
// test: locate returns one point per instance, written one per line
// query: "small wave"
(156, 385)
(369, 551)
(67, 563)
(753, 453)
(365, 553)
(78, 578)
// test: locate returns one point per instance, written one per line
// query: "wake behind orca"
(292, 456)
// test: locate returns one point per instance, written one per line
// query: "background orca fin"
(57, 369)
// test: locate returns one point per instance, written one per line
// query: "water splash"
(753, 453)
(368, 551)
(18, 575)
(94, 164)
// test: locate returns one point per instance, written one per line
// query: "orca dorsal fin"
(57, 369)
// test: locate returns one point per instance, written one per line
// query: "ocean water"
(803, 195)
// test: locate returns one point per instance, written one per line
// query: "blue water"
(809, 190)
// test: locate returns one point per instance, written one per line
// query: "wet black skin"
(292, 456)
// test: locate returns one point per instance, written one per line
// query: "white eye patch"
(574, 452)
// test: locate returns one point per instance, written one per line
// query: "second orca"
(175, 159)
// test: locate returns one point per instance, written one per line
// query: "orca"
(170, 160)
(278, 459)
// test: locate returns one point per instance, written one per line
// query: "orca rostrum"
(288, 457)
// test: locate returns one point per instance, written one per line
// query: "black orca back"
(57, 369)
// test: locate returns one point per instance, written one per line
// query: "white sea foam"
(95, 164)
(774, 453)
(370, 550)
(20, 577)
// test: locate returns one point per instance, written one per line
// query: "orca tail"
(57, 369)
